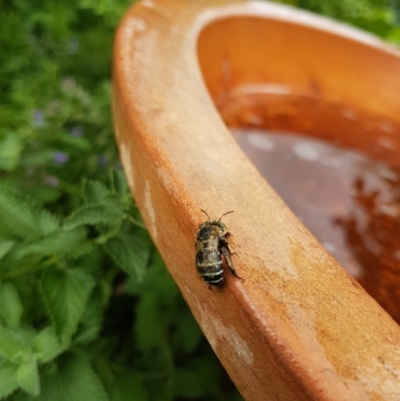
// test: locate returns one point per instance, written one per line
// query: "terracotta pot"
(298, 327)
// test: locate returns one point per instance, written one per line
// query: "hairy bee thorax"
(210, 229)
(211, 244)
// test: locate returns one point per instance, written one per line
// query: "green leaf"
(105, 213)
(47, 222)
(95, 192)
(119, 183)
(12, 345)
(38, 157)
(69, 243)
(10, 150)
(5, 246)
(8, 378)
(65, 294)
(157, 280)
(21, 217)
(131, 252)
(91, 261)
(28, 377)
(10, 305)
(78, 142)
(149, 322)
(74, 380)
(93, 317)
(129, 386)
(47, 345)
(45, 194)
(16, 218)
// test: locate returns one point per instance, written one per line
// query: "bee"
(211, 241)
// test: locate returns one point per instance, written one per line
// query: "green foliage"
(28, 377)
(72, 378)
(88, 310)
(377, 16)
(20, 218)
(10, 305)
(65, 294)
(8, 378)
(130, 252)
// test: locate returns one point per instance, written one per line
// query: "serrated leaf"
(74, 380)
(47, 345)
(105, 213)
(47, 222)
(130, 386)
(119, 183)
(69, 243)
(28, 377)
(148, 325)
(131, 252)
(12, 345)
(16, 218)
(8, 378)
(95, 192)
(65, 294)
(5, 246)
(92, 318)
(10, 305)
(21, 217)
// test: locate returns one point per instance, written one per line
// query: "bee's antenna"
(225, 214)
(205, 214)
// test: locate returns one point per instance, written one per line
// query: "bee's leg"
(227, 254)
(230, 252)
(224, 242)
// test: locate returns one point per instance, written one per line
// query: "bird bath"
(302, 95)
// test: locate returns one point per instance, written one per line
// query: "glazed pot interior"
(286, 76)
(278, 82)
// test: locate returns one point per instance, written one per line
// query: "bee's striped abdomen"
(208, 257)
(209, 266)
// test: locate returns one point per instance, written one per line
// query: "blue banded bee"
(211, 241)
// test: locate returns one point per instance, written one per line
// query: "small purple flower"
(77, 130)
(73, 46)
(60, 158)
(103, 161)
(68, 84)
(38, 118)
(51, 180)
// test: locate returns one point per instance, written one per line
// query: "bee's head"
(216, 226)
(211, 228)
(221, 226)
